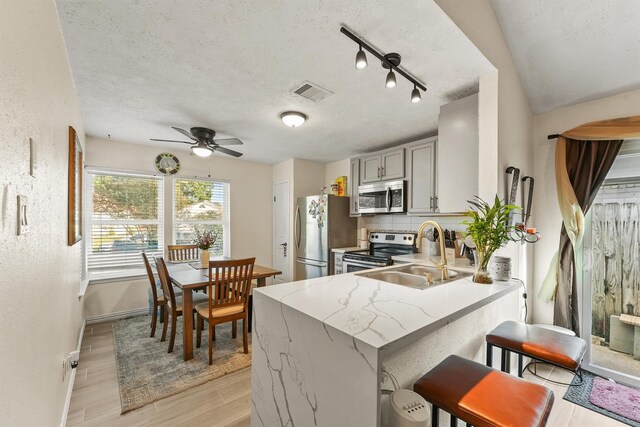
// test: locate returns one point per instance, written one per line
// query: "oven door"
(351, 266)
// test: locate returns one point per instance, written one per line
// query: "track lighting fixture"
(391, 80)
(415, 95)
(361, 60)
(390, 61)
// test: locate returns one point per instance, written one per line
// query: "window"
(125, 217)
(201, 205)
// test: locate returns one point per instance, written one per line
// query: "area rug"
(147, 373)
(600, 395)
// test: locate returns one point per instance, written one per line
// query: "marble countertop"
(384, 315)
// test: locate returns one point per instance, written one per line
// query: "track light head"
(361, 60)
(391, 79)
(415, 95)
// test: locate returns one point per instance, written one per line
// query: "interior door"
(281, 241)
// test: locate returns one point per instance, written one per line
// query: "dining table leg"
(187, 323)
(260, 282)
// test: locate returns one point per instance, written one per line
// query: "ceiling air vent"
(312, 91)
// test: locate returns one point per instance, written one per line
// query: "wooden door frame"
(290, 250)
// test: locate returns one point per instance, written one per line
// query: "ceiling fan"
(202, 142)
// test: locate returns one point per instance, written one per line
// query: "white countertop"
(384, 315)
(351, 249)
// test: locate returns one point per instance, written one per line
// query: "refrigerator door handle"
(312, 263)
(297, 229)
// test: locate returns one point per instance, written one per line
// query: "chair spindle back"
(183, 252)
(152, 279)
(165, 281)
(230, 282)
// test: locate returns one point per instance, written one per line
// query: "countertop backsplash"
(409, 223)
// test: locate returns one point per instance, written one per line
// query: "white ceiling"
(571, 51)
(143, 66)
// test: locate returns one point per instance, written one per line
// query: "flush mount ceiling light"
(390, 61)
(293, 119)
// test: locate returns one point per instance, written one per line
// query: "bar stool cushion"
(540, 343)
(483, 396)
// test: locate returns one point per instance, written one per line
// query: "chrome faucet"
(442, 267)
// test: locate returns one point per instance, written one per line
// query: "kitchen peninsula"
(323, 348)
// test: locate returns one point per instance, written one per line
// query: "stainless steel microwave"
(383, 197)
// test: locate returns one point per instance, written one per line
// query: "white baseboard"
(117, 315)
(72, 377)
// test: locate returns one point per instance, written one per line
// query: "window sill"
(114, 279)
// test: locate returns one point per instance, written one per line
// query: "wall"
(478, 21)
(41, 313)
(545, 205)
(251, 210)
(336, 169)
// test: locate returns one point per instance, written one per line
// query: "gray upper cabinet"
(457, 154)
(354, 174)
(383, 166)
(421, 174)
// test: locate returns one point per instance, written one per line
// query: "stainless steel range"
(382, 246)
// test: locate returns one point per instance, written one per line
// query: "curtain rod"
(554, 136)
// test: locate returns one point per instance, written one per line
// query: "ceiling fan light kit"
(390, 61)
(201, 150)
(293, 119)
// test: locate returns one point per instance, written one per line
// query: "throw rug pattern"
(600, 395)
(147, 373)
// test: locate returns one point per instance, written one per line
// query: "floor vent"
(312, 91)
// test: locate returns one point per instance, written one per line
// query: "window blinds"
(201, 205)
(125, 217)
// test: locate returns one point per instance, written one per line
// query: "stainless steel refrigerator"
(321, 223)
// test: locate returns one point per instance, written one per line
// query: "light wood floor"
(225, 401)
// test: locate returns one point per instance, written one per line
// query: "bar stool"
(538, 343)
(482, 396)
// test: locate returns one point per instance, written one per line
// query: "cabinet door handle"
(436, 205)
(431, 202)
(379, 173)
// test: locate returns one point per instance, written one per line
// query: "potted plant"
(205, 240)
(489, 227)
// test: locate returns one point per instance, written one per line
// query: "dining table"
(189, 276)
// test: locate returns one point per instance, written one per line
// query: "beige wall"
(336, 169)
(41, 312)
(251, 210)
(546, 212)
(478, 21)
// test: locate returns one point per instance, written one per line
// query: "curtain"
(584, 155)
(586, 165)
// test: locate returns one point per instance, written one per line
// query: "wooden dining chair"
(228, 294)
(183, 252)
(173, 304)
(156, 297)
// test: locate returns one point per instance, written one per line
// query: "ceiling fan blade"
(227, 141)
(184, 132)
(227, 151)
(171, 140)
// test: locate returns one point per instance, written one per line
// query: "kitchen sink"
(412, 276)
(421, 270)
(398, 278)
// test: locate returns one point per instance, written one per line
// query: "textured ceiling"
(572, 51)
(142, 66)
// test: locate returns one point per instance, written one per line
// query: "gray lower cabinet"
(383, 166)
(354, 174)
(421, 173)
